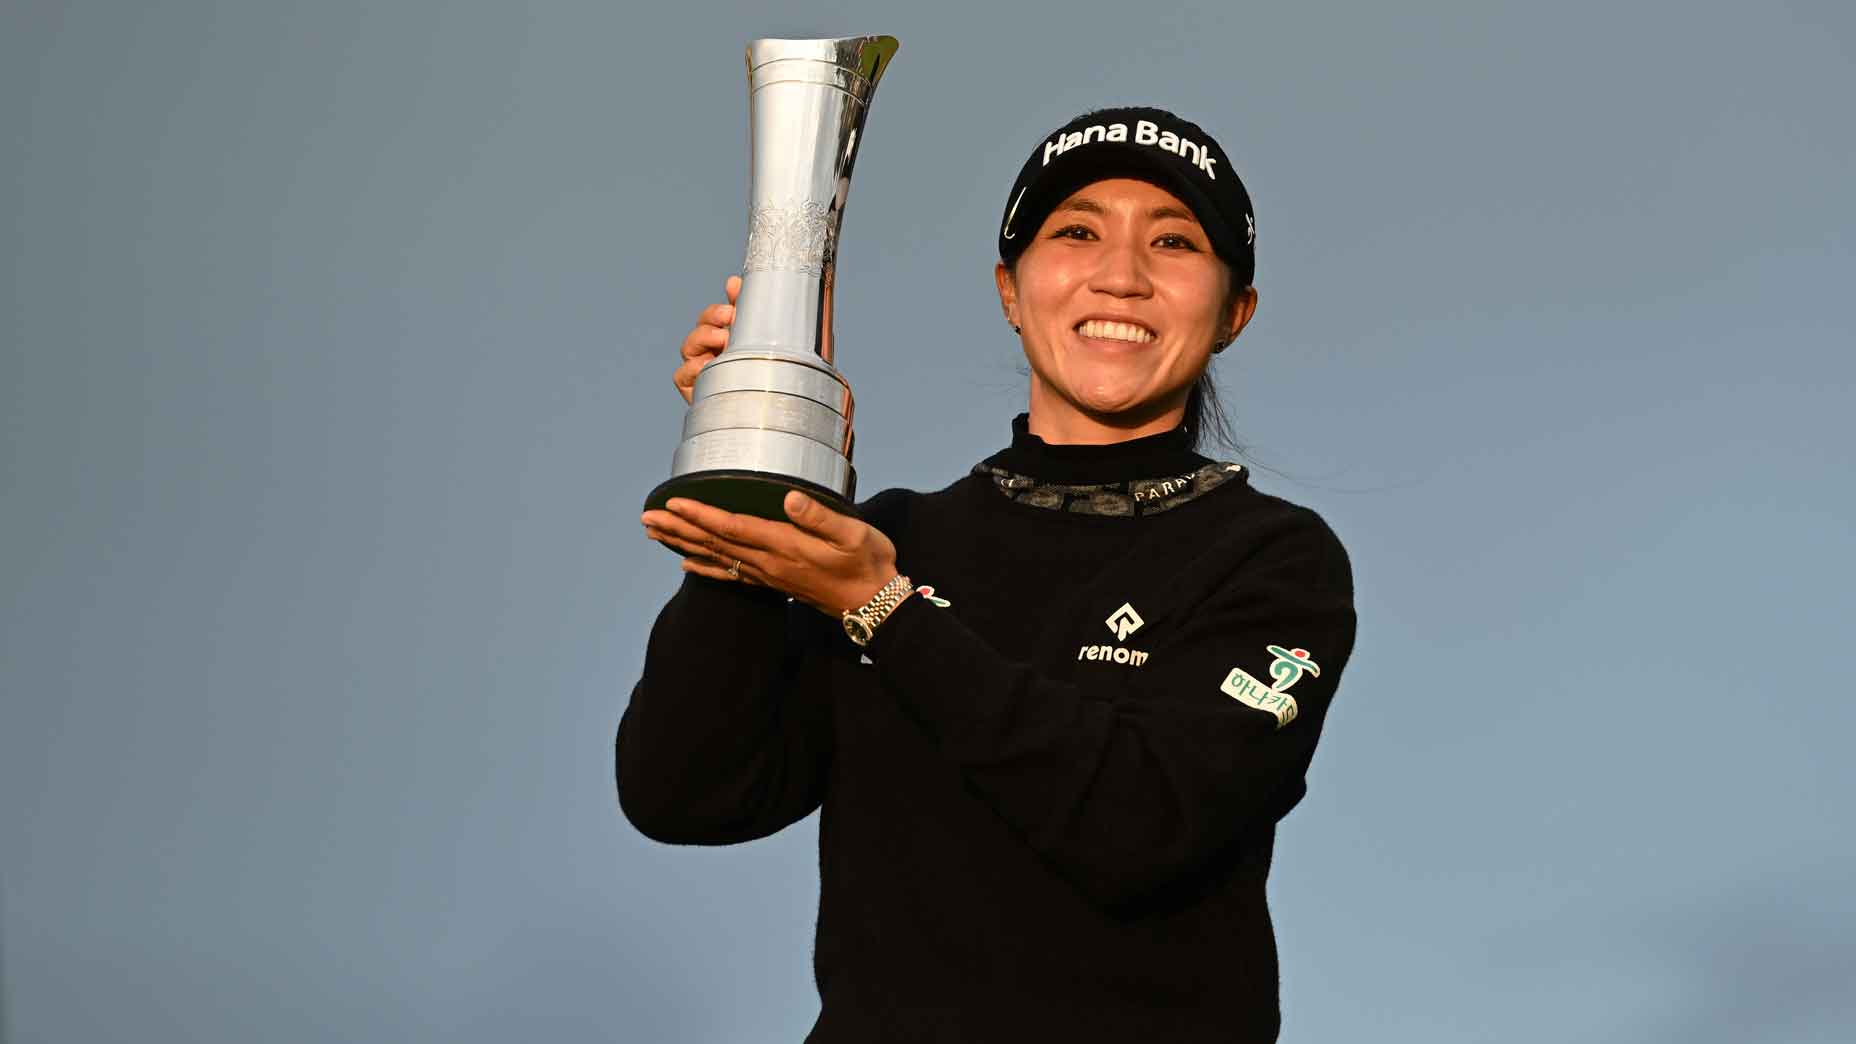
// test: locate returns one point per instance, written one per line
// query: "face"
(1119, 301)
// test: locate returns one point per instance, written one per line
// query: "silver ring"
(734, 571)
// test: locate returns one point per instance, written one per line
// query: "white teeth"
(1115, 331)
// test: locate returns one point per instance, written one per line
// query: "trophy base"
(756, 493)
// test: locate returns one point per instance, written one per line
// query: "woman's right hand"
(707, 340)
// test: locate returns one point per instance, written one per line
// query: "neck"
(1158, 455)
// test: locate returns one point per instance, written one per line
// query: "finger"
(732, 287)
(685, 375)
(714, 563)
(820, 521)
(686, 382)
(716, 315)
(704, 340)
(697, 353)
(694, 540)
(677, 543)
(680, 535)
(756, 534)
(705, 567)
(700, 558)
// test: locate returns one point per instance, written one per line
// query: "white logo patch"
(1285, 670)
(1124, 621)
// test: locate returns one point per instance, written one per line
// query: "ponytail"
(1205, 421)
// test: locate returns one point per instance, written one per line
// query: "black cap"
(1135, 142)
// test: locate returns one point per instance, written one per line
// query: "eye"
(1072, 232)
(1174, 239)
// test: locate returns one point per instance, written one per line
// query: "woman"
(1051, 756)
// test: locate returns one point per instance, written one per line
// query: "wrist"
(860, 623)
(871, 588)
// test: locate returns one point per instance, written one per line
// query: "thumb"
(815, 518)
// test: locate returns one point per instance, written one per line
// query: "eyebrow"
(1087, 205)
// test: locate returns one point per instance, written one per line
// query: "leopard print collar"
(1129, 498)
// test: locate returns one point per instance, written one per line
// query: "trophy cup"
(771, 413)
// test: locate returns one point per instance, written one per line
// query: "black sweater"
(1049, 805)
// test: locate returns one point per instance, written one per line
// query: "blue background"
(336, 352)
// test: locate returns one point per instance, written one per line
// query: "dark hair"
(1205, 416)
(1204, 411)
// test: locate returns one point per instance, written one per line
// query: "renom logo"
(1113, 654)
(1124, 621)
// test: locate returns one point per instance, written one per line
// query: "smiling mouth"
(1102, 329)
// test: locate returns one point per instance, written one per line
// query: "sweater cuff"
(946, 677)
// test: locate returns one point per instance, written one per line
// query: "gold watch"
(861, 623)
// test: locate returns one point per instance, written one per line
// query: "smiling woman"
(1138, 144)
(1050, 782)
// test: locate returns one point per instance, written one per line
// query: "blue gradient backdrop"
(335, 344)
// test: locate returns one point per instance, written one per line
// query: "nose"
(1123, 270)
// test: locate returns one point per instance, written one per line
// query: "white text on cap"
(1145, 133)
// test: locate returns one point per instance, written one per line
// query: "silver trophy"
(771, 413)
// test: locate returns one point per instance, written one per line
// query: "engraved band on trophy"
(771, 413)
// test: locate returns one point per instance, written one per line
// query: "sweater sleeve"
(1138, 780)
(723, 740)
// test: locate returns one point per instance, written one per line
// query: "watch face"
(858, 630)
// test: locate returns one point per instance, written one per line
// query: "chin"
(1120, 410)
(1112, 400)
(1113, 409)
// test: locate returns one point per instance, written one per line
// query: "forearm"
(1121, 788)
(719, 743)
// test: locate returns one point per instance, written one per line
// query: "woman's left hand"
(829, 561)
